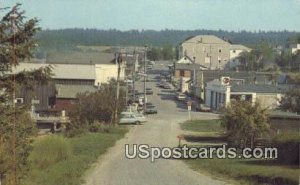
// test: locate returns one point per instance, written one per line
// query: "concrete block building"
(206, 50)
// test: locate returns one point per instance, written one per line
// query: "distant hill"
(67, 39)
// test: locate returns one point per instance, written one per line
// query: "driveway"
(160, 131)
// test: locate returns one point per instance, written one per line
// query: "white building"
(235, 51)
(94, 73)
(295, 48)
(219, 93)
(106, 72)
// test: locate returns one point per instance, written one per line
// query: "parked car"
(130, 91)
(203, 108)
(151, 109)
(149, 104)
(167, 86)
(152, 62)
(132, 118)
(149, 67)
(161, 84)
(187, 99)
(180, 96)
(149, 91)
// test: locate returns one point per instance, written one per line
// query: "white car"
(152, 62)
(132, 118)
(180, 97)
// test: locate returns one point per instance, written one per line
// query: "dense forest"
(66, 39)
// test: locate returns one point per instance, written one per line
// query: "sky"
(230, 15)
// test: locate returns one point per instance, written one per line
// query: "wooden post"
(179, 140)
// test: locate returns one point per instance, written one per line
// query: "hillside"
(69, 39)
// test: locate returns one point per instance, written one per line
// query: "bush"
(99, 127)
(288, 148)
(76, 128)
(50, 150)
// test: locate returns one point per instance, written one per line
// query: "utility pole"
(145, 79)
(126, 95)
(133, 74)
(119, 61)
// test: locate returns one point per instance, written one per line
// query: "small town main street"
(160, 131)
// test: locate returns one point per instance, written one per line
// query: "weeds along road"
(160, 131)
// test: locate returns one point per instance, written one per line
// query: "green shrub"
(202, 126)
(74, 129)
(85, 150)
(99, 127)
(288, 148)
(50, 150)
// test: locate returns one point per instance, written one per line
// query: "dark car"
(149, 91)
(151, 109)
(149, 104)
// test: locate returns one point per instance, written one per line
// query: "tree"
(167, 52)
(95, 107)
(16, 127)
(291, 101)
(244, 122)
(284, 60)
(154, 54)
(247, 60)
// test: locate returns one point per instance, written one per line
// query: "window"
(181, 73)
(19, 100)
(233, 51)
(207, 60)
(74, 82)
(220, 50)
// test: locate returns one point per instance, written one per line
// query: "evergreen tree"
(16, 127)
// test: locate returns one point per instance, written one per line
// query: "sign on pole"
(189, 107)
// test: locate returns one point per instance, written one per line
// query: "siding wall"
(204, 52)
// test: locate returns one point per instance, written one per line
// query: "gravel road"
(160, 131)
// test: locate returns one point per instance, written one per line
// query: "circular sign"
(226, 80)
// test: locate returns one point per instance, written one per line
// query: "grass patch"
(250, 171)
(246, 171)
(202, 126)
(49, 150)
(85, 150)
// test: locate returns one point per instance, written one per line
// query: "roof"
(80, 58)
(260, 77)
(62, 71)
(188, 66)
(284, 115)
(259, 88)
(184, 60)
(239, 47)
(71, 91)
(206, 39)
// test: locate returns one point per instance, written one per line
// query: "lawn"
(245, 171)
(202, 126)
(248, 171)
(85, 150)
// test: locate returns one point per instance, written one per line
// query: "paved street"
(160, 131)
